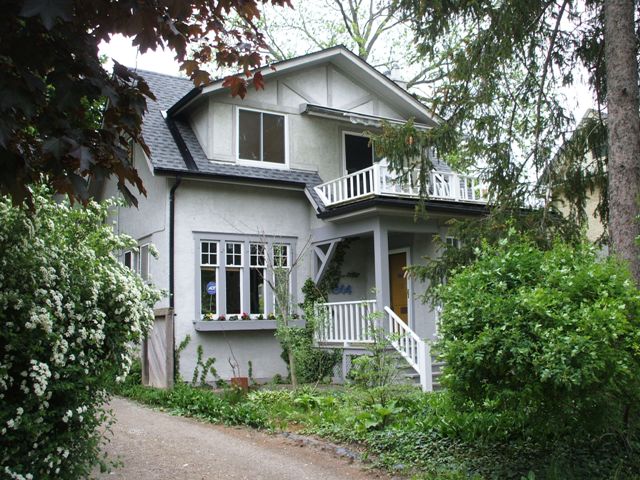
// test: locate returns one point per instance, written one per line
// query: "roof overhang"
(342, 58)
(353, 117)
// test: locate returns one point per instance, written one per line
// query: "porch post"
(381, 259)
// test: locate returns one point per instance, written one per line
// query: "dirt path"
(155, 445)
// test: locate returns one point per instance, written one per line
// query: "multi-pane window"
(233, 273)
(236, 276)
(452, 242)
(261, 136)
(208, 277)
(257, 267)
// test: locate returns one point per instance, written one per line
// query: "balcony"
(379, 180)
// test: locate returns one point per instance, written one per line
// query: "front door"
(398, 285)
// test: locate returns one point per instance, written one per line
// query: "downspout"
(172, 209)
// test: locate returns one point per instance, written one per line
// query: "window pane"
(233, 291)
(209, 253)
(208, 291)
(256, 290)
(257, 255)
(128, 260)
(249, 135)
(273, 138)
(234, 254)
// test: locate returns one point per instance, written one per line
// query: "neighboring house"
(587, 143)
(230, 180)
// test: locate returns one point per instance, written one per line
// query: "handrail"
(412, 348)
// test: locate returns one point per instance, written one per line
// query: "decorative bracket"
(323, 254)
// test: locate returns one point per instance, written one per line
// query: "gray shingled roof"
(166, 154)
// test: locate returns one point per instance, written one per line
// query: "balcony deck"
(379, 180)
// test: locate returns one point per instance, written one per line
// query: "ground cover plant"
(70, 315)
(542, 349)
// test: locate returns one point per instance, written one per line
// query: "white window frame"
(133, 263)
(232, 266)
(210, 266)
(344, 148)
(262, 163)
(262, 267)
(287, 267)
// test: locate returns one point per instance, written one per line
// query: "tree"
(501, 97)
(548, 337)
(53, 83)
(375, 31)
(71, 315)
(623, 124)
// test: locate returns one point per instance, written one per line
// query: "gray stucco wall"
(148, 223)
(233, 210)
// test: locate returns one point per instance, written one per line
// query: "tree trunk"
(292, 368)
(623, 124)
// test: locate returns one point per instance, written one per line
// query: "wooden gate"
(157, 351)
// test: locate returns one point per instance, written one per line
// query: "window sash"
(271, 150)
(208, 253)
(233, 255)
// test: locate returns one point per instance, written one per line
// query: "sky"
(579, 97)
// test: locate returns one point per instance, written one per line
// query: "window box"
(246, 325)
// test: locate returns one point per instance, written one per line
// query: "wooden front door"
(398, 285)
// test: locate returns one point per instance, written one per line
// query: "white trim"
(344, 148)
(337, 53)
(261, 163)
(216, 271)
(407, 252)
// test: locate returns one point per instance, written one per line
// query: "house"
(588, 144)
(230, 181)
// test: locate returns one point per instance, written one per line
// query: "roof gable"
(334, 78)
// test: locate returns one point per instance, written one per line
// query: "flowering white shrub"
(70, 317)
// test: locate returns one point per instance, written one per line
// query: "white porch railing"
(345, 322)
(380, 180)
(413, 349)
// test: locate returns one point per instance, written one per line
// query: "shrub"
(550, 338)
(70, 315)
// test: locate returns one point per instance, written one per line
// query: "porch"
(350, 325)
(374, 290)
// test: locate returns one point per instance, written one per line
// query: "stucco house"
(231, 180)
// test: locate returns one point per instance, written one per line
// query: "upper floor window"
(261, 136)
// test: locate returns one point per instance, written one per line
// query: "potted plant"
(221, 318)
(241, 383)
(245, 316)
(233, 318)
(208, 317)
(271, 316)
(260, 317)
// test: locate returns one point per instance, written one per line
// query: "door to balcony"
(358, 155)
(398, 285)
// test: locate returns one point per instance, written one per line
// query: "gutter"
(172, 209)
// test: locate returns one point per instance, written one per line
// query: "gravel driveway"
(156, 445)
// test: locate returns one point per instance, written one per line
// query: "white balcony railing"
(380, 180)
(345, 322)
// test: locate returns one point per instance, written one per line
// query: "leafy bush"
(70, 315)
(548, 338)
